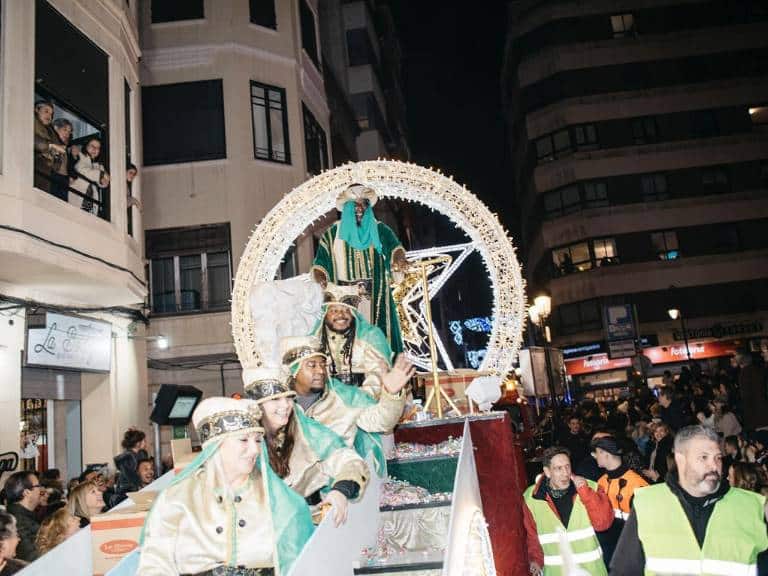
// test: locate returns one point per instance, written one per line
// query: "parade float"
(449, 501)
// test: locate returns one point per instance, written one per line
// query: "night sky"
(451, 75)
(451, 79)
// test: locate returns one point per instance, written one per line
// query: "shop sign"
(9, 462)
(619, 322)
(70, 342)
(698, 350)
(720, 331)
(595, 363)
(578, 350)
(656, 355)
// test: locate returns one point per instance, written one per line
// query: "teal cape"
(291, 518)
(366, 263)
(364, 331)
(365, 442)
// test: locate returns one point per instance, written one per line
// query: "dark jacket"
(754, 397)
(577, 444)
(27, 527)
(127, 464)
(629, 557)
(674, 415)
(659, 460)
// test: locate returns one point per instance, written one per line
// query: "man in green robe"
(359, 250)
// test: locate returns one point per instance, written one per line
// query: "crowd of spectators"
(630, 442)
(72, 172)
(40, 514)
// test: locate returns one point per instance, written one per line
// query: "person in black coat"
(135, 449)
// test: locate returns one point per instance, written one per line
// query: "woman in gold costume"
(227, 513)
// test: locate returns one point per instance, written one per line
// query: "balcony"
(660, 275)
(650, 158)
(646, 48)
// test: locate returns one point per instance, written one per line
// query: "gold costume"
(381, 417)
(308, 473)
(196, 526)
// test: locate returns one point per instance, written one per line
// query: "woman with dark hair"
(127, 463)
(90, 179)
(9, 539)
(310, 458)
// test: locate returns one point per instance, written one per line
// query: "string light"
(311, 200)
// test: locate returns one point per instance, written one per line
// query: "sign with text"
(70, 342)
(656, 355)
(595, 363)
(619, 322)
(720, 330)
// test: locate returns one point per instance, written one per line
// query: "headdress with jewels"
(294, 349)
(345, 295)
(262, 384)
(355, 192)
(219, 417)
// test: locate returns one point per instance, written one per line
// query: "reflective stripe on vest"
(687, 567)
(620, 514)
(582, 558)
(552, 537)
(579, 533)
(735, 534)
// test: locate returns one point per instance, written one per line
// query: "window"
(561, 202)
(574, 258)
(544, 149)
(665, 245)
(605, 251)
(714, 177)
(644, 130)
(72, 113)
(654, 187)
(595, 194)
(623, 25)
(562, 142)
(270, 123)
(289, 267)
(759, 117)
(704, 124)
(190, 269)
(579, 316)
(308, 33)
(183, 122)
(315, 143)
(585, 136)
(263, 13)
(359, 47)
(175, 10)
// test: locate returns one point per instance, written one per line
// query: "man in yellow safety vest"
(695, 523)
(560, 501)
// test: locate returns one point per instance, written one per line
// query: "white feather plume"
(283, 308)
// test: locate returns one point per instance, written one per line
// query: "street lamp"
(674, 314)
(539, 314)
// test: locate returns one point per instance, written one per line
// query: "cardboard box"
(114, 536)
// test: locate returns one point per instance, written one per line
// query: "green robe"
(365, 264)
